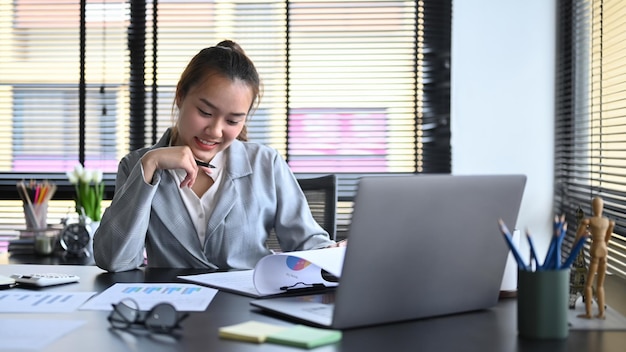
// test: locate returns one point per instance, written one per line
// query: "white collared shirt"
(200, 209)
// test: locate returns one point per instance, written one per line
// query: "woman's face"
(212, 115)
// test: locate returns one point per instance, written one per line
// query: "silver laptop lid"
(425, 245)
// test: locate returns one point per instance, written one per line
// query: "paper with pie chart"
(294, 270)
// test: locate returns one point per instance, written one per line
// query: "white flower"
(89, 191)
(96, 176)
(86, 176)
(75, 175)
(72, 177)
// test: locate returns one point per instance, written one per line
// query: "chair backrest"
(321, 195)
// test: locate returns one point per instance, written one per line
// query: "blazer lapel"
(236, 165)
(178, 222)
(228, 194)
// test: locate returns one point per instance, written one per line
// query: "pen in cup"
(533, 251)
(574, 252)
(553, 257)
(509, 241)
(553, 260)
(35, 197)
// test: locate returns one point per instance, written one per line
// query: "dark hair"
(228, 59)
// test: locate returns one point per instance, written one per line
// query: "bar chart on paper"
(164, 290)
(185, 297)
(24, 301)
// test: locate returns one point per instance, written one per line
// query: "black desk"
(57, 259)
(488, 330)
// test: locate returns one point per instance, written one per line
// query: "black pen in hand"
(204, 163)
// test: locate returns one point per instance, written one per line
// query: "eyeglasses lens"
(163, 317)
(124, 313)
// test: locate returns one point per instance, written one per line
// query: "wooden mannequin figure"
(601, 229)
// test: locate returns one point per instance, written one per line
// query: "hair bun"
(230, 45)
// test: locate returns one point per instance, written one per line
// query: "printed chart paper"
(28, 301)
(298, 269)
(184, 297)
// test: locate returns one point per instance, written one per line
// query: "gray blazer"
(258, 192)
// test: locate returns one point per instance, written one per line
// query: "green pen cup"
(542, 304)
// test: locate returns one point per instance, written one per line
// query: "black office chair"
(321, 194)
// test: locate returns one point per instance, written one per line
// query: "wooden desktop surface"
(487, 330)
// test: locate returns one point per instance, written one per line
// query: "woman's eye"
(232, 122)
(202, 112)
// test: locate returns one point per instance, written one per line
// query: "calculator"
(44, 279)
(6, 282)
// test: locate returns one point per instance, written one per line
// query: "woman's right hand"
(179, 157)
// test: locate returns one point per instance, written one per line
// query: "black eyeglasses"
(162, 318)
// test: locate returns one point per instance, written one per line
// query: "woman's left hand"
(342, 243)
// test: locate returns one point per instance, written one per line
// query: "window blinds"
(591, 116)
(350, 87)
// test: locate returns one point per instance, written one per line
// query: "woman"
(203, 197)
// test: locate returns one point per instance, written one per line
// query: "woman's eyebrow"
(212, 106)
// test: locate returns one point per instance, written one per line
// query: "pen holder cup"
(45, 240)
(36, 215)
(542, 304)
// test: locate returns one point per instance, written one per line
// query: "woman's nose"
(214, 128)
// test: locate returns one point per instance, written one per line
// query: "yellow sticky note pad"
(251, 331)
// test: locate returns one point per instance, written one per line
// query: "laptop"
(419, 246)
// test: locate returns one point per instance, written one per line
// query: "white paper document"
(240, 281)
(276, 273)
(184, 297)
(33, 334)
(27, 301)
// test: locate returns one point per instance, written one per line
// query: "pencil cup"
(46, 241)
(542, 304)
(36, 216)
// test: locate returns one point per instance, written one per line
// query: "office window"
(590, 154)
(350, 87)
